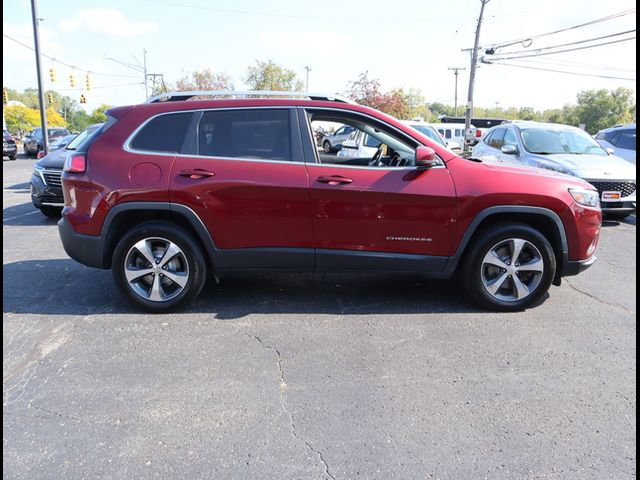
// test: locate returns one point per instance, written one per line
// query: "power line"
(98, 87)
(564, 71)
(535, 50)
(67, 64)
(564, 63)
(566, 29)
(485, 60)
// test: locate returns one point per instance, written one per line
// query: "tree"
(54, 119)
(99, 115)
(204, 79)
(599, 109)
(20, 118)
(366, 91)
(78, 120)
(271, 76)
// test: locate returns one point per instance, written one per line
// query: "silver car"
(567, 150)
(621, 140)
(331, 142)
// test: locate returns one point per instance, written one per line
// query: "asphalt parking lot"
(311, 376)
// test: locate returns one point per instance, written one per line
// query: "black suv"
(9, 148)
(33, 143)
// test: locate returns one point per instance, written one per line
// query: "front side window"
(510, 138)
(262, 134)
(497, 138)
(164, 133)
(627, 140)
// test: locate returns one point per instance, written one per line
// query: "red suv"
(171, 190)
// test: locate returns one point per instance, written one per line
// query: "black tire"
(14, 156)
(51, 212)
(191, 256)
(326, 146)
(616, 215)
(475, 270)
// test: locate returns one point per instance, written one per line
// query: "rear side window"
(260, 134)
(164, 133)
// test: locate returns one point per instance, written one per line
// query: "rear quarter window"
(164, 133)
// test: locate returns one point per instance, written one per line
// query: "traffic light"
(5, 96)
(88, 82)
(52, 74)
(72, 80)
(50, 98)
(83, 99)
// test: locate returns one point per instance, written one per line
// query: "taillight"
(40, 154)
(75, 163)
(478, 133)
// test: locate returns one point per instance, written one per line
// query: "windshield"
(57, 133)
(429, 132)
(80, 138)
(552, 141)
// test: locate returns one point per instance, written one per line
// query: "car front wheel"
(160, 267)
(326, 146)
(509, 267)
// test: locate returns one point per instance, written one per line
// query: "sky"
(403, 43)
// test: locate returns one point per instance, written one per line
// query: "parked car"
(46, 184)
(61, 142)
(430, 131)
(621, 140)
(567, 150)
(330, 142)
(168, 191)
(33, 143)
(9, 148)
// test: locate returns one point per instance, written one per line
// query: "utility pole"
(455, 72)
(144, 67)
(43, 107)
(307, 84)
(472, 75)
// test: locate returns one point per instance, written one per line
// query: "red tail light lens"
(75, 163)
(478, 133)
(40, 154)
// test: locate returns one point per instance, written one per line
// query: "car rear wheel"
(159, 267)
(326, 146)
(13, 156)
(509, 267)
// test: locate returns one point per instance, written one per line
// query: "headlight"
(39, 171)
(589, 198)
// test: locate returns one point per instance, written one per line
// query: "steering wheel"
(375, 160)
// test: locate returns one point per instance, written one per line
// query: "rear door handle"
(195, 173)
(334, 179)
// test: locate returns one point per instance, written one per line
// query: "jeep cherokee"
(170, 190)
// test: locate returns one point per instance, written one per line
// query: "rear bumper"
(86, 249)
(574, 267)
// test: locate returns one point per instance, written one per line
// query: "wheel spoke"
(492, 258)
(536, 265)
(518, 243)
(134, 274)
(156, 294)
(521, 289)
(145, 250)
(178, 277)
(171, 251)
(494, 286)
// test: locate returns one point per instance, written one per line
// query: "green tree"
(20, 118)
(599, 109)
(54, 119)
(99, 115)
(78, 120)
(271, 76)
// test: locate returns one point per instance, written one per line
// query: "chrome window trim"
(403, 134)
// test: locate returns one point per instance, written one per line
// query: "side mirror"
(426, 157)
(610, 150)
(509, 149)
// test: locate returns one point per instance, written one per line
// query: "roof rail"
(176, 96)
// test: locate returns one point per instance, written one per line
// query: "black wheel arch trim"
(452, 264)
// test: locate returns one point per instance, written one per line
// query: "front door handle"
(334, 179)
(195, 173)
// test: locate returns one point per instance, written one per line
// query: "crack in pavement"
(598, 299)
(283, 404)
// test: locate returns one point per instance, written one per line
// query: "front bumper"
(574, 267)
(86, 249)
(45, 195)
(10, 149)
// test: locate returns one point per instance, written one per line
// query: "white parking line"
(18, 216)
